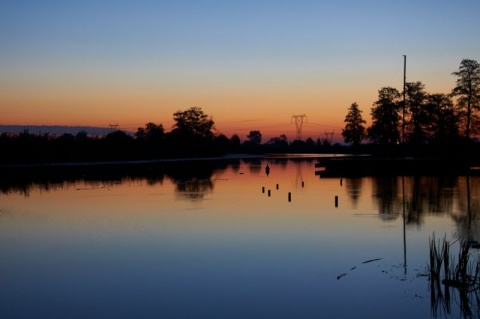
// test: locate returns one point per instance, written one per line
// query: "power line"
(323, 125)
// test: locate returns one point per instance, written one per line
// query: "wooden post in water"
(289, 196)
(341, 182)
(263, 189)
(277, 186)
(303, 183)
(268, 193)
(336, 201)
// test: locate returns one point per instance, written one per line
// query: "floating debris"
(354, 267)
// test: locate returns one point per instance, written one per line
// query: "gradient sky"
(251, 65)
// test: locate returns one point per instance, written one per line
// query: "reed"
(461, 273)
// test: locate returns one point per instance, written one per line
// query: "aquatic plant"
(463, 275)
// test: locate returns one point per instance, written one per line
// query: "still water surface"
(211, 244)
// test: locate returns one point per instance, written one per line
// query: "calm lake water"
(198, 242)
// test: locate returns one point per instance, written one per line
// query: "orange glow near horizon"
(236, 106)
(269, 112)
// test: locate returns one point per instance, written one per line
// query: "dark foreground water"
(200, 242)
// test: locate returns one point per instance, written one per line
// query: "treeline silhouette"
(152, 142)
(119, 145)
(191, 136)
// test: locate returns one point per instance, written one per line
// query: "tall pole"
(404, 102)
(404, 227)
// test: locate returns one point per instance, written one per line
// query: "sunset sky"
(251, 65)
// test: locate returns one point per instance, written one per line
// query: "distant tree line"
(423, 123)
(192, 135)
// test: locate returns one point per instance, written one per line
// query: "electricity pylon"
(329, 136)
(298, 119)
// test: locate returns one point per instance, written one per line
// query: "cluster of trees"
(421, 118)
(192, 135)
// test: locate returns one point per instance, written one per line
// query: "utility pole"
(404, 102)
(298, 119)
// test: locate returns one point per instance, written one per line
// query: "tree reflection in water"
(194, 181)
(457, 196)
(386, 192)
(193, 189)
(255, 166)
(354, 189)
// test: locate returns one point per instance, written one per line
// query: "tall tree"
(255, 137)
(354, 131)
(235, 141)
(468, 90)
(193, 123)
(191, 134)
(385, 128)
(417, 117)
(444, 119)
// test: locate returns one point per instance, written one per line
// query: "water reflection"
(132, 228)
(255, 166)
(467, 216)
(386, 194)
(24, 180)
(194, 189)
(419, 196)
(354, 189)
(457, 196)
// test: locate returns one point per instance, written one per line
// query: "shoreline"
(371, 166)
(131, 162)
(226, 157)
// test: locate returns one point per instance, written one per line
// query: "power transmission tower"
(329, 136)
(298, 119)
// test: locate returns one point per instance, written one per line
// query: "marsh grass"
(461, 274)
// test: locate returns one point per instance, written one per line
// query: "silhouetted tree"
(310, 141)
(117, 145)
(386, 117)
(151, 132)
(310, 145)
(417, 117)
(192, 133)
(235, 141)
(468, 90)
(222, 144)
(193, 123)
(81, 136)
(298, 146)
(278, 144)
(150, 140)
(354, 131)
(444, 119)
(255, 137)
(117, 137)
